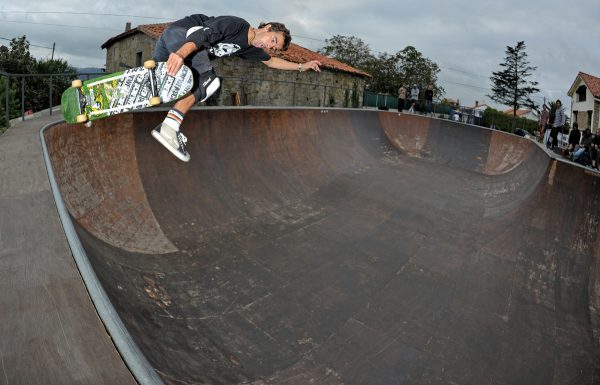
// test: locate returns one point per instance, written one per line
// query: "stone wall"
(258, 85)
(125, 51)
(254, 84)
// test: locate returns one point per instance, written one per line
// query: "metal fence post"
(6, 88)
(23, 99)
(50, 94)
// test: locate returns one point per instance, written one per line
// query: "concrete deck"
(49, 330)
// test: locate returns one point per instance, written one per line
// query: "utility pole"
(53, 46)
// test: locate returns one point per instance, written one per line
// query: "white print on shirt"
(194, 29)
(224, 49)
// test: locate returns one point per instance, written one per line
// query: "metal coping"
(133, 357)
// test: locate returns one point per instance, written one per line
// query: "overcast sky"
(467, 39)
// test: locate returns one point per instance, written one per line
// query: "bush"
(13, 105)
(504, 122)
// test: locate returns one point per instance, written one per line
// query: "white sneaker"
(173, 140)
(208, 83)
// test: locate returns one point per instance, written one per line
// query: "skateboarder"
(196, 40)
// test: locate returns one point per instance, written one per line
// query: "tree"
(17, 59)
(414, 68)
(383, 68)
(388, 72)
(510, 86)
(348, 49)
(13, 105)
(38, 89)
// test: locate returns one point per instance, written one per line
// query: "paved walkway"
(49, 330)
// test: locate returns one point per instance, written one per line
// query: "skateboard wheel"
(149, 64)
(154, 101)
(76, 83)
(81, 118)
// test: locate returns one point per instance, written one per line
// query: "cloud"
(467, 39)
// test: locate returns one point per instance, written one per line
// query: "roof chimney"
(128, 26)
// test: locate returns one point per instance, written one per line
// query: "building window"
(589, 122)
(581, 91)
(138, 59)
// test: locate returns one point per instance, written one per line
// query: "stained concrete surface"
(338, 247)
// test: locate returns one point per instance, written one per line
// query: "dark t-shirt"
(574, 136)
(221, 36)
(429, 95)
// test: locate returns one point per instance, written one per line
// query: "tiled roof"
(295, 53)
(298, 54)
(153, 30)
(520, 112)
(592, 82)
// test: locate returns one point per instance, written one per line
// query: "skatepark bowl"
(312, 246)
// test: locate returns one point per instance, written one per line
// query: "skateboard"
(124, 91)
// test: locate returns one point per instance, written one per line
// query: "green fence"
(371, 99)
(390, 102)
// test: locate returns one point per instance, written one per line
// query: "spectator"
(543, 123)
(477, 115)
(457, 114)
(584, 148)
(595, 149)
(401, 97)
(574, 139)
(414, 97)
(559, 122)
(428, 99)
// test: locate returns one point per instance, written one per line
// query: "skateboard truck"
(82, 117)
(155, 99)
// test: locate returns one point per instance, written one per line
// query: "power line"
(60, 25)
(85, 13)
(465, 72)
(32, 45)
(309, 38)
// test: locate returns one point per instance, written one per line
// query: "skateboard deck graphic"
(124, 91)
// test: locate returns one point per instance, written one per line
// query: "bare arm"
(175, 60)
(281, 64)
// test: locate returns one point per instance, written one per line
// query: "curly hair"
(279, 27)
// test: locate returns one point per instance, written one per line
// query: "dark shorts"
(170, 41)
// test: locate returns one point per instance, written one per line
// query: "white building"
(585, 101)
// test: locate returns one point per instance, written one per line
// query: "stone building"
(251, 83)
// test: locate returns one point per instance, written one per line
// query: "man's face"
(268, 40)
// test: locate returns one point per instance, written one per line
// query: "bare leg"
(185, 104)
(168, 133)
